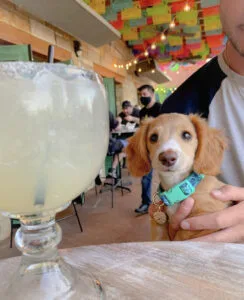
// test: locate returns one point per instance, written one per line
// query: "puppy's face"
(172, 143)
(176, 143)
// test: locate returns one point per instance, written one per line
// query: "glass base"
(54, 279)
(43, 274)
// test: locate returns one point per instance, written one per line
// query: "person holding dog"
(216, 91)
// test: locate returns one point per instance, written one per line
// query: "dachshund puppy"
(176, 145)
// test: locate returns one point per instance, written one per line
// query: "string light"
(153, 71)
(187, 7)
(122, 66)
(172, 24)
(163, 37)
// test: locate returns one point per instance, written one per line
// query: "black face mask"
(145, 100)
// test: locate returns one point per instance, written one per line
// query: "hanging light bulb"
(115, 65)
(122, 66)
(187, 7)
(127, 67)
(119, 66)
(146, 53)
(153, 46)
(130, 64)
(139, 70)
(135, 61)
(172, 24)
(153, 71)
(163, 37)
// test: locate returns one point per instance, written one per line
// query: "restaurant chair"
(111, 184)
(69, 212)
(16, 53)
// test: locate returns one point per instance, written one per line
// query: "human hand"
(229, 222)
(182, 212)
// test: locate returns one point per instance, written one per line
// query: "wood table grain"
(158, 270)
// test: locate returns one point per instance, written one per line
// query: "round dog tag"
(160, 217)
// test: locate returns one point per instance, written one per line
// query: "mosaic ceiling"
(166, 30)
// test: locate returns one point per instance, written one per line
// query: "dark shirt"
(153, 111)
(135, 113)
(197, 92)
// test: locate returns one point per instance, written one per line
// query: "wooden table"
(159, 270)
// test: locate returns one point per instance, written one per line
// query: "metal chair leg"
(113, 193)
(77, 216)
(11, 234)
(120, 178)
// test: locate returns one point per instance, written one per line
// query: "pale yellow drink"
(53, 135)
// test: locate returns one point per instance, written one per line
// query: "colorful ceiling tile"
(158, 10)
(187, 17)
(209, 3)
(118, 5)
(98, 5)
(177, 29)
(132, 12)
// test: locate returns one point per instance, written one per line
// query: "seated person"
(115, 147)
(113, 125)
(129, 114)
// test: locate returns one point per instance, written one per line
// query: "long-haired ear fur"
(211, 146)
(136, 151)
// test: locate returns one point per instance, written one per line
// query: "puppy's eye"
(154, 138)
(186, 135)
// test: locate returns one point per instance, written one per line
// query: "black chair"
(110, 183)
(67, 213)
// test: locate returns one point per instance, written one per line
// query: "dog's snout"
(168, 158)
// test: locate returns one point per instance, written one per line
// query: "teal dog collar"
(180, 191)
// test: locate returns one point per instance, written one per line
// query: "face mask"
(145, 100)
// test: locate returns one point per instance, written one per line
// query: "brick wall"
(106, 56)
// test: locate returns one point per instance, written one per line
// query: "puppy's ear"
(136, 151)
(211, 146)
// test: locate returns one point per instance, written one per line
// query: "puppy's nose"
(168, 158)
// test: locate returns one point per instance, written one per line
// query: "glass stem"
(37, 239)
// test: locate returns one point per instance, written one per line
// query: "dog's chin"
(171, 170)
(166, 170)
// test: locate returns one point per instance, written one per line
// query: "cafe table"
(123, 133)
(158, 270)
